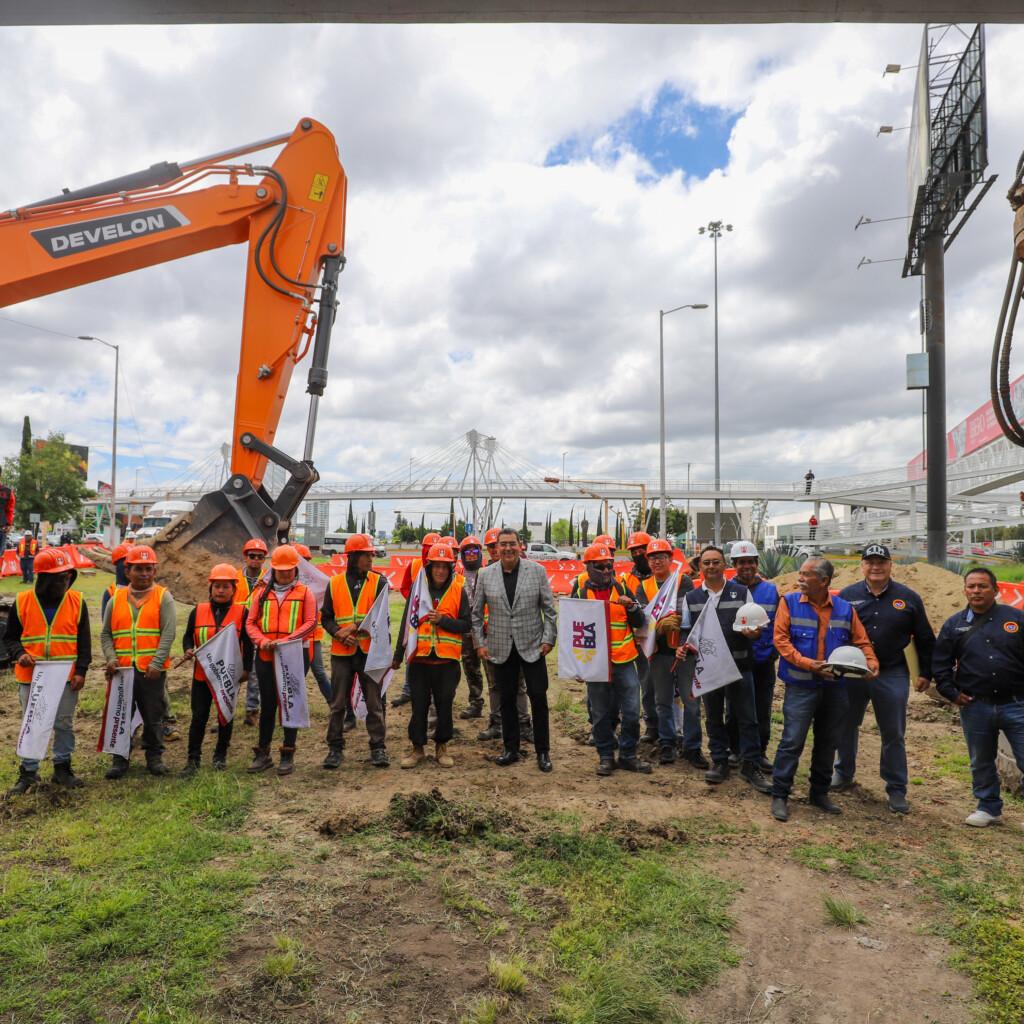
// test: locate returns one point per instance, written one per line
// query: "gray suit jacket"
(530, 621)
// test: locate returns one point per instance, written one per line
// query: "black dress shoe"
(824, 803)
(507, 758)
(544, 762)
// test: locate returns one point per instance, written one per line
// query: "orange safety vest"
(206, 628)
(432, 642)
(346, 613)
(48, 641)
(624, 649)
(279, 619)
(243, 592)
(136, 639)
(635, 584)
(28, 549)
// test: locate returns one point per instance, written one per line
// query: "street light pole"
(662, 496)
(112, 531)
(563, 467)
(714, 229)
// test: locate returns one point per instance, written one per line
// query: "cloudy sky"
(522, 202)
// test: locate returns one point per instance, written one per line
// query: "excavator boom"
(292, 214)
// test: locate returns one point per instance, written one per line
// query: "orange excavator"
(292, 214)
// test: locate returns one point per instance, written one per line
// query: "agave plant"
(774, 563)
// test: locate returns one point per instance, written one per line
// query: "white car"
(542, 552)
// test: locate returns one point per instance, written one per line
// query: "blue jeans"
(740, 696)
(648, 698)
(824, 707)
(316, 663)
(609, 701)
(982, 723)
(666, 684)
(888, 695)
(63, 728)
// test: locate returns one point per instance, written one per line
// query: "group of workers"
(482, 604)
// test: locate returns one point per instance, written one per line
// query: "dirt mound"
(634, 835)
(941, 590)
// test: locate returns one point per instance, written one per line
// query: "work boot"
(734, 761)
(402, 698)
(667, 756)
(252, 717)
(473, 711)
(753, 776)
(155, 764)
(442, 757)
(334, 758)
(287, 763)
(379, 757)
(650, 737)
(414, 756)
(64, 776)
(350, 721)
(220, 761)
(717, 773)
(824, 803)
(190, 770)
(765, 765)
(261, 760)
(492, 732)
(898, 803)
(840, 784)
(26, 780)
(697, 759)
(605, 766)
(780, 808)
(118, 767)
(170, 733)
(634, 764)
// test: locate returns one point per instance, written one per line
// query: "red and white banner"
(116, 727)
(584, 641)
(290, 675)
(47, 687)
(420, 604)
(221, 660)
(662, 605)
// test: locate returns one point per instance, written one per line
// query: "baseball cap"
(876, 551)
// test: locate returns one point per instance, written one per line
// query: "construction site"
(413, 321)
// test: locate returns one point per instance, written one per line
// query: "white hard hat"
(848, 661)
(751, 616)
(743, 549)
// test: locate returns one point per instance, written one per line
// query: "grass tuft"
(484, 1011)
(842, 913)
(508, 975)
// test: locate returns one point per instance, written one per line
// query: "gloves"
(667, 624)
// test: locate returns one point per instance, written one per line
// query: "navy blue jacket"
(733, 597)
(983, 656)
(892, 620)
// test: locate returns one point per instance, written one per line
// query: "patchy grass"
(484, 1011)
(117, 909)
(508, 976)
(866, 860)
(950, 759)
(842, 913)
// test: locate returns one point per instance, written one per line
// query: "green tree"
(350, 523)
(47, 482)
(452, 524)
(26, 436)
(599, 529)
(675, 520)
(560, 531)
(572, 532)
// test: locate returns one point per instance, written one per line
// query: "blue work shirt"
(982, 656)
(766, 594)
(892, 619)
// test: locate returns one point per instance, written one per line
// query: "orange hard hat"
(605, 539)
(440, 553)
(638, 540)
(659, 547)
(491, 536)
(254, 544)
(358, 542)
(597, 553)
(140, 554)
(224, 572)
(303, 550)
(430, 538)
(449, 540)
(120, 551)
(470, 542)
(52, 560)
(284, 557)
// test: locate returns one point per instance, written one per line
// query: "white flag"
(290, 675)
(661, 605)
(420, 604)
(116, 728)
(309, 576)
(378, 624)
(221, 659)
(714, 666)
(584, 642)
(45, 691)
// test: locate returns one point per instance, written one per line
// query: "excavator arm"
(292, 214)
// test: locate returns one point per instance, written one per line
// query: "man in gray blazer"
(520, 634)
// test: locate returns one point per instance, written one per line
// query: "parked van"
(159, 515)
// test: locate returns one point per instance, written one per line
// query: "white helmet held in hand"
(751, 616)
(848, 661)
(742, 549)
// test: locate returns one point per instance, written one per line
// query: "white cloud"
(486, 290)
